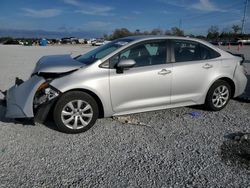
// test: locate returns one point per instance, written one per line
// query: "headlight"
(45, 93)
(43, 86)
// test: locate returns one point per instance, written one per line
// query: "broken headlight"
(44, 94)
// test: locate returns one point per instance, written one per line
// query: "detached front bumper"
(19, 98)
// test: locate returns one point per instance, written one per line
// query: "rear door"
(194, 66)
(148, 84)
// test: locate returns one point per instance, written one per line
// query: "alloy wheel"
(220, 96)
(77, 114)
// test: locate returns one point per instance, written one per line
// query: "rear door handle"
(164, 72)
(207, 66)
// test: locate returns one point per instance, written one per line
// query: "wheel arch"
(95, 96)
(231, 83)
(226, 79)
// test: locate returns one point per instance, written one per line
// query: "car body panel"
(57, 64)
(232, 68)
(240, 81)
(91, 78)
(20, 98)
(140, 87)
(190, 80)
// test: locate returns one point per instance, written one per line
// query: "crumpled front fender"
(20, 98)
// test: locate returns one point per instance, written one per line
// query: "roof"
(155, 37)
(139, 37)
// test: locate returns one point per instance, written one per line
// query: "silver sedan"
(128, 75)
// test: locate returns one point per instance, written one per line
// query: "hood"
(57, 64)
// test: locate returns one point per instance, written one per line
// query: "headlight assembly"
(44, 94)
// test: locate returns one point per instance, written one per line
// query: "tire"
(217, 97)
(75, 112)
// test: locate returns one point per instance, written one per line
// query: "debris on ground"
(129, 120)
(195, 114)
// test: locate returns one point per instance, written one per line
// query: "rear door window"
(185, 50)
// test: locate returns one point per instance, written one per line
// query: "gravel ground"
(169, 148)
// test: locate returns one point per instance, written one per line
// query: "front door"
(145, 86)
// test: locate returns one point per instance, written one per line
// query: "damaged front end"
(44, 99)
(35, 97)
(19, 98)
(27, 99)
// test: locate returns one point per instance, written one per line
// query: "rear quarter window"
(208, 53)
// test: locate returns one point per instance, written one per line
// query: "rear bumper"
(240, 81)
(19, 98)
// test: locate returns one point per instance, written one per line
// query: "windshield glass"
(102, 51)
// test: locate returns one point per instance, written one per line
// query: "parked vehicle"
(98, 42)
(69, 40)
(215, 42)
(12, 42)
(128, 75)
(93, 42)
(244, 41)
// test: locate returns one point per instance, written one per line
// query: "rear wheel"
(75, 112)
(218, 95)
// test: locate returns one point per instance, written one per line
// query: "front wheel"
(75, 112)
(218, 95)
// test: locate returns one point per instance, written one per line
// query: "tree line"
(124, 32)
(232, 33)
(213, 33)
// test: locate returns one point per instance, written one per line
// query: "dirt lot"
(170, 149)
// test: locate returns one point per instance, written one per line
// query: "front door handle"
(164, 72)
(207, 66)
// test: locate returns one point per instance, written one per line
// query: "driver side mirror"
(124, 64)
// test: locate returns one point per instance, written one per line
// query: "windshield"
(102, 51)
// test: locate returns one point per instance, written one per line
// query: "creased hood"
(57, 64)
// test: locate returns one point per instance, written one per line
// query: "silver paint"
(20, 98)
(137, 89)
(57, 64)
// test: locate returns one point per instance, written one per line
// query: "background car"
(11, 41)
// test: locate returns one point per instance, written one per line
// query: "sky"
(89, 18)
